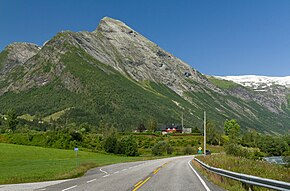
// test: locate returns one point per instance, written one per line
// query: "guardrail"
(248, 179)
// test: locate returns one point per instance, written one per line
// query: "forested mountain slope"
(116, 75)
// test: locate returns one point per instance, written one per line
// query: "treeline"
(252, 144)
(101, 138)
(71, 137)
(105, 137)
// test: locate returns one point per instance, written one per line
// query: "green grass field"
(242, 165)
(28, 163)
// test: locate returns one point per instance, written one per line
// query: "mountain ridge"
(115, 74)
(256, 80)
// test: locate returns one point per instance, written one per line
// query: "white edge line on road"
(91, 180)
(69, 188)
(116, 172)
(201, 180)
(106, 175)
(124, 169)
(103, 171)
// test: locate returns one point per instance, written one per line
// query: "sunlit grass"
(248, 166)
(28, 163)
(241, 165)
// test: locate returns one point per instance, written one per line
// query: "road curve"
(176, 174)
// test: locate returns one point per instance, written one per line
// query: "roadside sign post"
(76, 150)
(199, 150)
(204, 133)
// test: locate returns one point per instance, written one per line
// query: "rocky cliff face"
(119, 46)
(17, 54)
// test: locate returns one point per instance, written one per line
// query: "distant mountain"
(258, 83)
(279, 87)
(116, 75)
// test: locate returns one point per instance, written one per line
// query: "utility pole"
(204, 133)
(182, 122)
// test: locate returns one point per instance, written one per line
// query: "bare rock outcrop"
(18, 54)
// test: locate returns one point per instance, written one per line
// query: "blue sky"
(217, 37)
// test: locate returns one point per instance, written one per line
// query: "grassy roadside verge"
(31, 164)
(241, 165)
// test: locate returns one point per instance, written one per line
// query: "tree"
(152, 125)
(196, 130)
(273, 146)
(250, 138)
(12, 120)
(110, 140)
(213, 136)
(77, 136)
(141, 127)
(129, 146)
(232, 129)
(110, 143)
(103, 127)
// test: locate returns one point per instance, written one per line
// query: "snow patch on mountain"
(258, 83)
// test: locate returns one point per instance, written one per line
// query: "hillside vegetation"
(223, 84)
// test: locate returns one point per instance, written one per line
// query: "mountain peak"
(108, 24)
(17, 54)
(21, 45)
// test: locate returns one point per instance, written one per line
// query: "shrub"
(110, 143)
(188, 150)
(161, 148)
(238, 150)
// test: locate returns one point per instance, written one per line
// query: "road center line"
(69, 188)
(155, 171)
(141, 184)
(201, 180)
(116, 172)
(106, 175)
(138, 183)
(124, 169)
(91, 180)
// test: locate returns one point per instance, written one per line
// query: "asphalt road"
(176, 174)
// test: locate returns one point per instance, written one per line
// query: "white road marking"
(131, 167)
(69, 188)
(201, 180)
(124, 169)
(43, 189)
(91, 180)
(106, 175)
(116, 172)
(103, 171)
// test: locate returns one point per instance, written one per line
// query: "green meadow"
(20, 163)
